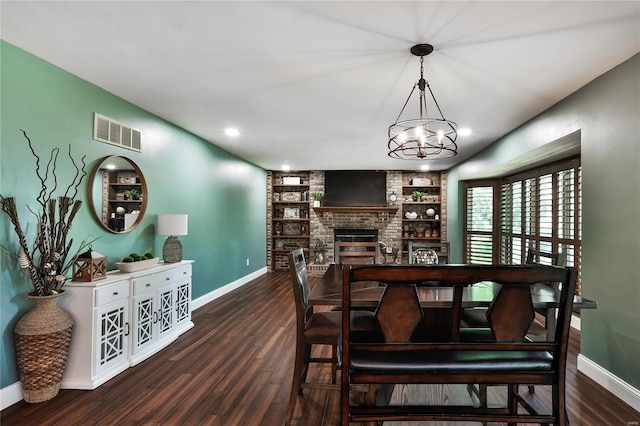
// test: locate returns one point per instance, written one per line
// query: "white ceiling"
(315, 84)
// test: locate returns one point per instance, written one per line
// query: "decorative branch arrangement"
(46, 261)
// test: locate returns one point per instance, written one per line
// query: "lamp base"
(172, 250)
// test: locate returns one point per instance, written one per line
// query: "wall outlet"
(247, 261)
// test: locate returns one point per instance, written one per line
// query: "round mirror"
(117, 194)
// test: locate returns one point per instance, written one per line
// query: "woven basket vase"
(42, 338)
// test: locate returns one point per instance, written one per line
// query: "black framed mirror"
(117, 194)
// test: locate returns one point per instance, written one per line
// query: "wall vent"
(110, 131)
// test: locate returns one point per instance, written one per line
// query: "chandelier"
(422, 138)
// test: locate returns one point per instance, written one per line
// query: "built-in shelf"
(367, 209)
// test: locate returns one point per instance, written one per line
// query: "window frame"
(511, 237)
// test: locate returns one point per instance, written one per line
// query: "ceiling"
(315, 84)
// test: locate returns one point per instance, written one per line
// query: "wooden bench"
(408, 349)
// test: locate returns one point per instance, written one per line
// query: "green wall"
(607, 114)
(224, 196)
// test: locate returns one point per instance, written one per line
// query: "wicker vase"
(42, 339)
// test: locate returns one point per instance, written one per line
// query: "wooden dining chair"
(442, 249)
(412, 353)
(356, 252)
(315, 328)
(540, 328)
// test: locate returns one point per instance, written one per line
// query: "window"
(478, 223)
(539, 208)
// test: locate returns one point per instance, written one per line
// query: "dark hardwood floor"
(234, 368)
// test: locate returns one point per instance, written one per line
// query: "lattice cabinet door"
(165, 314)
(144, 319)
(113, 335)
(183, 303)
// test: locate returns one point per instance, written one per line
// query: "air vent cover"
(110, 131)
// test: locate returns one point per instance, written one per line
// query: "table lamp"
(172, 225)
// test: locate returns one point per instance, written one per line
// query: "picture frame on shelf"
(291, 180)
(292, 213)
(291, 229)
(291, 196)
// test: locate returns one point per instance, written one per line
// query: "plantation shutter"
(479, 232)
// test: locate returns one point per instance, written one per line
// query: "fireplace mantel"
(374, 209)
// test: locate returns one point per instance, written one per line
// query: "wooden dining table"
(328, 292)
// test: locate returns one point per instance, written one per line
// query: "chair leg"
(299, 374)
(512, 401)
(334, 363)
(305, 365)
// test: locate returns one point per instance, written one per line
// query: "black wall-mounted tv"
(355, 188)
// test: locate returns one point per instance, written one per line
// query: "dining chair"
(442, 249)
(356, 252)
(315, 328)
(477, 317)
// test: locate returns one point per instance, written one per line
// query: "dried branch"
(47, 259)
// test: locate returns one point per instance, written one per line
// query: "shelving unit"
(427, 225)
(290, 207)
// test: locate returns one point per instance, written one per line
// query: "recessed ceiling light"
(110, 167)
(464, 132)
(424, 167)
(286, 167)
(231, 131)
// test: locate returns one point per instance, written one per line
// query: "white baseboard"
(621, 389)
(209, 297)
(9, 395)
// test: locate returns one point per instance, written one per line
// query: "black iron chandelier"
(423, 138)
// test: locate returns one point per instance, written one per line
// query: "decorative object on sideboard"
(416, 195)
(425, 137)
(135, 262)
(42, 335)
(90, 266)
(172, 225)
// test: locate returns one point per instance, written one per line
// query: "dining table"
(328, 292)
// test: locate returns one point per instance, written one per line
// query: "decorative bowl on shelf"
(411, 215)
(137, 266)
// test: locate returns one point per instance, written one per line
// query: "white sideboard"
(123, 320)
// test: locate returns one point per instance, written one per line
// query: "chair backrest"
(442, 249)
(410, 352)
(356, 252)
(301, 287)
(544, 258)
(512, 301)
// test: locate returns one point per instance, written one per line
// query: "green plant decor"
(317, 196)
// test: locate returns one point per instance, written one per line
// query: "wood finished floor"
(234, 368)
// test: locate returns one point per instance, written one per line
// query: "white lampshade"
(173, 224)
